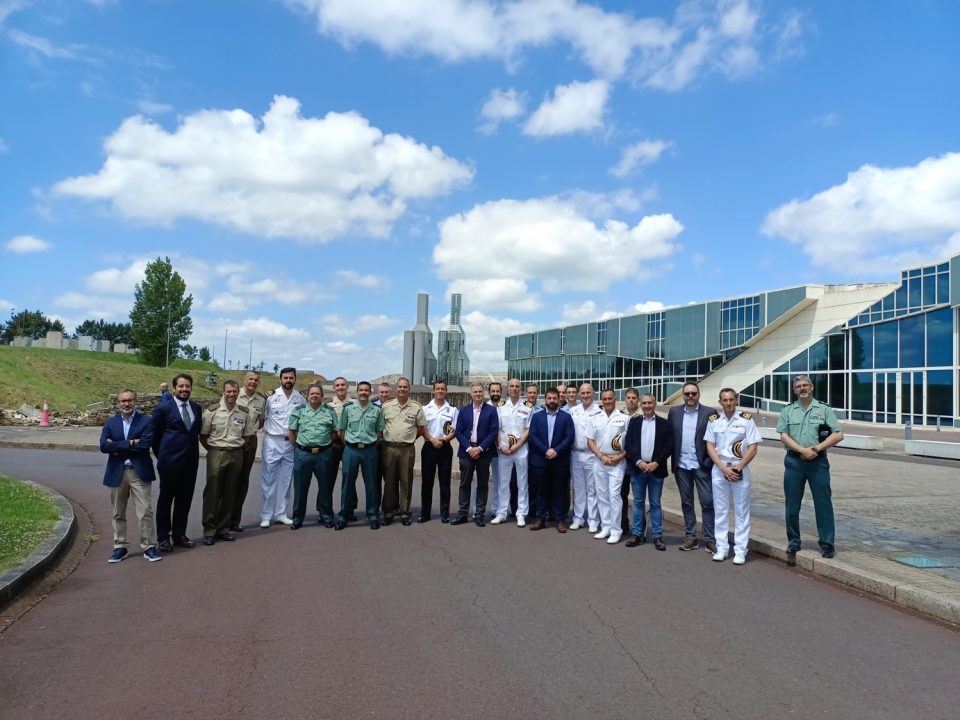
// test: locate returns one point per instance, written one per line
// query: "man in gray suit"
(692, 466)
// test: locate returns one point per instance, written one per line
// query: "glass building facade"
(893, 362)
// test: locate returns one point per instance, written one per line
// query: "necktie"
(185, 415)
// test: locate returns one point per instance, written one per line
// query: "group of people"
(567, 458)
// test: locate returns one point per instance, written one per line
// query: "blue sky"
(310, 165)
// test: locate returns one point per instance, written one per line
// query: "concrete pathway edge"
(18, 578)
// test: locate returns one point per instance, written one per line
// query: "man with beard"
(254, 402)
(361, 426)
(436, 455)
(550, 439)
(311, 429)
(176, 429)
(495, 391)
(631, 409)
(276, 461)
(337, 403)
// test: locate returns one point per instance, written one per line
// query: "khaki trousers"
(397, 463)
(131, 484)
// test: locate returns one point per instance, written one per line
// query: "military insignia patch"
(501, 403)
(528, 403)
(615, 443)
(511, 440)
(738, 449)
(712, 418)
(746, 415)
(447, 427)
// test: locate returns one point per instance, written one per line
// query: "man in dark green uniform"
(361, 425)
(808, 428)
(311, 430)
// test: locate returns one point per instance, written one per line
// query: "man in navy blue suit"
(126, 439)
(477, 427)
(550, 439)
(176, 433)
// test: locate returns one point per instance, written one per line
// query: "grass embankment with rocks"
(27, 515)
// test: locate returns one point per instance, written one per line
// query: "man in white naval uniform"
(276, 455)
(605, 440)
(512, 454)
(585, 509)
(732, 439)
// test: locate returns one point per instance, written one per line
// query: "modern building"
(453, 365)
(419, 362)
(882, 353)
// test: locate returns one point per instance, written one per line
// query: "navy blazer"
(563, 435)
(662, 445)
(174, 445)
(487, 429)
(120, 449)
(675, 416)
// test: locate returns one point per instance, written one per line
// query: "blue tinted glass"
(929, 290)
(940, 338)
(818, 355)
(940, 392)
(913, 289)
(943, 288)
(862, 353)
(798, 363)
(862, 391)
(901, 295)
(885, 345)
(911, 342)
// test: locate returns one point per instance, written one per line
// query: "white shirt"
(514, 420)
(688, 438)
(732, 436)
(648, 437)
(583, 417)
(127, 424)
(278, 408)
(609, 432)
(440, 420)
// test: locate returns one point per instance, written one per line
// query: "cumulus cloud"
(587, 311)
(647, 307)
(645, 152)
(573, 108)
(500, 106)
(879, 218)
(355, 279)
(108, 307)
(497, 294)
(336, 325)
(152, 107)
(285, 175)
(551, 241)
(25, 244)
(484, 338)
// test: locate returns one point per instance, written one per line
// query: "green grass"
(27, 515)
(72, 379)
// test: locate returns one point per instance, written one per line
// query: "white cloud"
(789, 37)
(739, 61)
(5, 305)
(645, 152)
(497, 294)
(24, 244)
(110, 308)
(336, 325)
(682, 67)
(484, 338)
(587, 311)
(311, 179)
(500, 106)
(152, 107)
(737, 19)
(603, 205)
(551, 240)
(394, 342)
(573, 108)
(355, 279)
(116, 280)
(879, 218)
(647, 307)
(47, 48)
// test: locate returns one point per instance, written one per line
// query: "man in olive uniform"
(403, 423)
(312, 427)
(225, 429)
(255, 403)
(808, 428)
(360, 425)
(337, 403)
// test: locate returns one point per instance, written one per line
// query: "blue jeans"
(643, 483)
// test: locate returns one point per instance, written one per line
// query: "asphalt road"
(433, 621)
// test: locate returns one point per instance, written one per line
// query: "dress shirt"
(648, 436)
(688, 439)
(127, 424)
(476, 421)
(551, 421)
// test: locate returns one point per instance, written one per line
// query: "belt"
(397, 444)
(313, 449)
(359, 446)
(794, 453)
(225, 449)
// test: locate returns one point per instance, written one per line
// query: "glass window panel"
(939, 392)
(929, 290)
(885, 345)
(943, 288)
(888, 302)
(818, 355)
(913, 292)
(837, 360)
(781, 388)
(820, 386)
(838, 397)
(911, 342)
(940, 337)
(901, 296)
(914, 273)
(862, 339)
(861, 390)
(798, 363)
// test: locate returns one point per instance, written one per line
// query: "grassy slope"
(73, 379)
(27, 515)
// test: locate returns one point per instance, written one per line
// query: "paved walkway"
(891, 509)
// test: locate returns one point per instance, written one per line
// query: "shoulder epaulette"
(269, 393)
(241, 408)
(746, 415)
(213, 406)
(528, 403)
(501, 403)
(713, 417)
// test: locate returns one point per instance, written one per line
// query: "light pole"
(167, 364)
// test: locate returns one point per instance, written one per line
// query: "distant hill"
(72, 379)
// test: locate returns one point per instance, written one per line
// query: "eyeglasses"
(691, 394)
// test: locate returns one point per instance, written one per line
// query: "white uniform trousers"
(505, 465)
(609, 479)
(276, 473)
(740, 490)
(585, 510)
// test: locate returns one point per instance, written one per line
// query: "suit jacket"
(563, 434)
(120, 450)
(487, 429)
(675, 416)
(662, 445)
(176, 447)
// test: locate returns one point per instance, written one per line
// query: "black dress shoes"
(352, 517)
(444, 519)
(374, 524)
(479, 521)
(340, 525)
(423, 519)
(184, 541)
(296, 525)
(165, 545)
(406, 522)
(208, 540)
(226, 537)
(388, 520)
(459, 520)
(236, 528)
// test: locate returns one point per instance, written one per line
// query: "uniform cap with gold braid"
(615, 443)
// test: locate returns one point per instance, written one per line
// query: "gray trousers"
(686, 481)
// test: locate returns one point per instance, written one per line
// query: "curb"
(17, 579)
(47, 445)
(931, 595)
